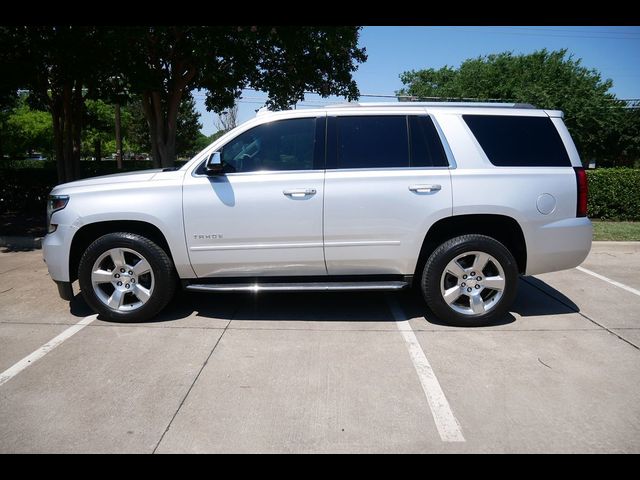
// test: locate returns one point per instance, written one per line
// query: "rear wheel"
(470, 280)
(126, 277)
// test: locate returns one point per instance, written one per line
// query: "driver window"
(278, 145)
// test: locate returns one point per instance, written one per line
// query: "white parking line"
(608, 280)
(12, 371)
(446, 422)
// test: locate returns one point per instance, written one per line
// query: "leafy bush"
(614, 193)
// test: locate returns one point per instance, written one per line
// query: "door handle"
(424, 188)
(299, 192)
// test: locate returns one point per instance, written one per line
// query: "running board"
(297, 287)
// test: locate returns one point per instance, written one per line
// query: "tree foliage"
(187, 131)
(162, 63)
(63, 66)
(26, 130)
(600, 126)
(60, 66)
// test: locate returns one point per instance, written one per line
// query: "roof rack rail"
(431, 104)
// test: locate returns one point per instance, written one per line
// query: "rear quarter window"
(514, 141)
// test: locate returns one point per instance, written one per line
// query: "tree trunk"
(2, 130)
(97, 152)
(56, 116)
(118, 139)
(66, 107)
(77, 106)
(147, 108)
(162, 126)
(67, 132)
(161, 112)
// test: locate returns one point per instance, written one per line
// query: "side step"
(297, 287)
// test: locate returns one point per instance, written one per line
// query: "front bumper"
(65, 290)
(55, 252)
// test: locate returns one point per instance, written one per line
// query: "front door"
(263, 217)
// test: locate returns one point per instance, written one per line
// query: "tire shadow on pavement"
(534, 298)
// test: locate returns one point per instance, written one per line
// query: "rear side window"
(513, 141)
(372, 142)
(426, 148)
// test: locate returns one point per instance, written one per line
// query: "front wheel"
(126, 277)
(470, 280)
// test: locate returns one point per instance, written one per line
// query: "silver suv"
(454, 199)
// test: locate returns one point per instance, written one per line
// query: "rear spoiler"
(555, 113)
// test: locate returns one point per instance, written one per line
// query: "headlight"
(55, 203)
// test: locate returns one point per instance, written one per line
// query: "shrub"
(614, 193)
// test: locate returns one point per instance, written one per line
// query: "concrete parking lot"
(346, 372)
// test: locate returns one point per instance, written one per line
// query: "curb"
(21, 242)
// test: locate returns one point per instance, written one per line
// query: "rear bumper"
(559, 245)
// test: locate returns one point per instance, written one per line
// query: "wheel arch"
(503, 228)
(88, 233)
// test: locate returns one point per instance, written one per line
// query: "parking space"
(326, 372)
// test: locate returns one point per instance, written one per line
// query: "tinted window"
(372, 142)
(510, 141)
(279, 145)
(426, 148)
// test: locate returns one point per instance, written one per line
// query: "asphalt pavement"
(332, 372)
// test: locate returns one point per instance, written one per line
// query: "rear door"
(387, 181)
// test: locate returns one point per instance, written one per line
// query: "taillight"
(583, 189)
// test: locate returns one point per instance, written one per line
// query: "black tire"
(432, 278)
(161, 266)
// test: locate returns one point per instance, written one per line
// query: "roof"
(431, 104)
(408, 105)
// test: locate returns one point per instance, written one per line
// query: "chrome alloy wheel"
(122, 279)
(472, 283)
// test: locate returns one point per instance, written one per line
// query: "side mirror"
(213, 165)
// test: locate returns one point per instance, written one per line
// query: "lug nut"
(479, 278)
(477, 286)
(117, 275)
(130, 272)
(469, 289)
(463, 284)
(133, 280)
(119, 284)
(122, 270)
(473, 274)
(126, 285)
(464, 277)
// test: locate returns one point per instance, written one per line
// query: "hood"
(139, 176)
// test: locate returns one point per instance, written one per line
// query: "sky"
(613, 50)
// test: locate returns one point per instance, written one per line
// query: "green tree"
(187, 131)
(7, 105)
(136, 130)
(203, 141)
(163, 63)
(598, 122)
(60, 66)
(99, 128)
(27, 130)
